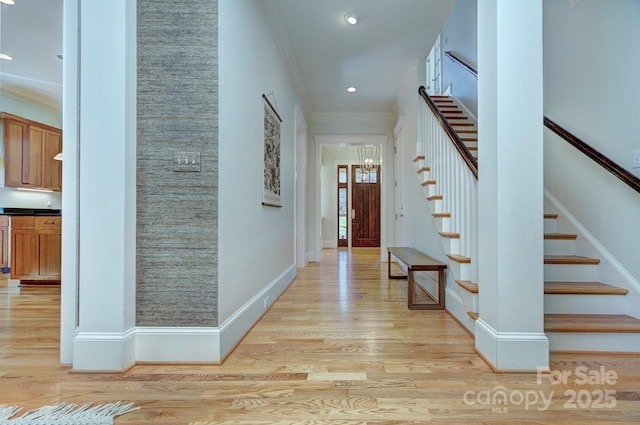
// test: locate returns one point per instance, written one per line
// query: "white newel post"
(510, 330)
(105, 338)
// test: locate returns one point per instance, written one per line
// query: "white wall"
(257, 243)
(420, 229)
(591, 89)
(26, 109)
(591, 73)
(459, 35)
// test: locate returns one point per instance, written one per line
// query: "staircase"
(581, 313)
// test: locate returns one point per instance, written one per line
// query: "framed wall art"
(271, 186)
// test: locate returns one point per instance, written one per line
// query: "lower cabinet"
(36, 248)
(4, 241)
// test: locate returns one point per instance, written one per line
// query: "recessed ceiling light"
(7, 1)
(351, 89)
(351, 18)
(5, 57)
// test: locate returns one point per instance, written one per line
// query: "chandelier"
(369, 157)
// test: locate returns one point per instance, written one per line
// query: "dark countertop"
(30, 211)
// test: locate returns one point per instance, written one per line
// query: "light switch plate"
(186, 161)
(636, 158)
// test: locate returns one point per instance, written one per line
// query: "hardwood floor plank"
(338, 348)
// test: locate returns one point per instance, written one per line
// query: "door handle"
(353, 214)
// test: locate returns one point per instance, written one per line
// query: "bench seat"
(417, 261)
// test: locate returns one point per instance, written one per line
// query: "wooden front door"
(365, 204)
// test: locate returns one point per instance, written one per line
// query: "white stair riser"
(469, 299)
(460, 271)
(435, 206)
(423, 176)
(451, 246)
(570, 272)
(584, 304)
(550, 226)
(588, 341)
(443, 224)
(559, 247)
(429, 190)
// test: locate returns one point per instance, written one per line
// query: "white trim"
(352, 117)
(455, 306)
(386, 178)
(104, 351)
(209, 344)
(466, 110)
(517, 351)
(633, 283)
(51, 106)
(286, 51)
(173, 344)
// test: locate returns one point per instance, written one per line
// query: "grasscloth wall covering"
(177, 212)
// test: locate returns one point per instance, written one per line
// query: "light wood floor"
(339, 347)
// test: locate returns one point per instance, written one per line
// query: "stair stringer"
(609, 270)
(459, 301)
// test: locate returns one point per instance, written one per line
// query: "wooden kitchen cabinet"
(29, 148)
(4, 241)
(36, 248)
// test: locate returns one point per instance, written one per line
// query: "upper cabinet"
(29, 148)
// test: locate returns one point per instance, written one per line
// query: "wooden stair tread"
(428, 182)
(423, 169)
(600, 323)
(468, 285)
(560, 236)
(442, 215)
(582, 288)
(434, 198)
(550, 216)
(459, 258)
(569, 259)
(450, 235)
(462, 124)
(473, 315)
(419, 158)
(467, 131)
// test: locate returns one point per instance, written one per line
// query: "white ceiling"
(373, 55)
(31, 32)
(325, 54)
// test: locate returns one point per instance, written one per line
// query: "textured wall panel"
(177, 212)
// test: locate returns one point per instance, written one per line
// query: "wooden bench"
(417, 261)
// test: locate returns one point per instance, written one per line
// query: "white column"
(105, 337)
(510, 330)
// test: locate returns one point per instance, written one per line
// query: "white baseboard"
(104, 351)
(512, 351)
(208, 345)
(455, 306)
(331, 244)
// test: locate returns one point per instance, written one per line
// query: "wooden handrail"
(462, 63)
(457, 142)
(600, 159)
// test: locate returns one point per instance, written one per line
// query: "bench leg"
(389, 269)
(439, 305)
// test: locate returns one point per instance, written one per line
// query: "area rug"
(64, 413)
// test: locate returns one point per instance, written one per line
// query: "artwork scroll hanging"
(271, 185)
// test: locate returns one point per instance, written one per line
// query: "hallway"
(339, 347)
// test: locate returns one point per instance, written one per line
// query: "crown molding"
(286, 51)
(352, 117)
(46, 104)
